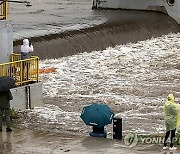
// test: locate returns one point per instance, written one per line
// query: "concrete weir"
(121, 27)
(170, 7)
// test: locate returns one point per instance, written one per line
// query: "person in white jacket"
(26, 50)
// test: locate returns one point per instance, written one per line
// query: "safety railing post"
(21, 72)
(37, 69)
(4, 9)
(3, 70)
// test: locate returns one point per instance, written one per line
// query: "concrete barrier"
(6, 40)
(36, 96)
(27, 97)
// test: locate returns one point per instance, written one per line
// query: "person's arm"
(173, 110)
(10, 95)
(165, 110)
(177, 107)
(31, 48)
(21, 48)
(178, 115)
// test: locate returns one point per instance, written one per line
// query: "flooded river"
(133, 79)
(128, 60)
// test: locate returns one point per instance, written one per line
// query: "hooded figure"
(26, 49)
(172, 120)
(170, 113)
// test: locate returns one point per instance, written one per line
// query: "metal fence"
(23, 71)
(3, 9)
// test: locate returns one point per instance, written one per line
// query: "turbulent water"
(133, 79)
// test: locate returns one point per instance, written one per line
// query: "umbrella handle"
(93, 123)
(111, 116)
(82, 111)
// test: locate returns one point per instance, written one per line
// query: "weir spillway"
(123, 26)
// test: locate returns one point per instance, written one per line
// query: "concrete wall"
(25, 97)
(19, 98)
(172, 10)
(36, 95)
(6, 40)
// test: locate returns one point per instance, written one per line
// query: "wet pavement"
(24, 141)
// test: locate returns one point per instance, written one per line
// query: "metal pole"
(117, 128)
(4, 7)
(25, 2)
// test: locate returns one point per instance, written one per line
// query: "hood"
(26, 42)
(170, 98)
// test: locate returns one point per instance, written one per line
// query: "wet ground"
(22, 141)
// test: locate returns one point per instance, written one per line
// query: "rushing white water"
(133, 79)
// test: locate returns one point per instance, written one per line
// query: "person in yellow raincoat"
(172, 120)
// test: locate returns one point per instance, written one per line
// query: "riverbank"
(22, 141)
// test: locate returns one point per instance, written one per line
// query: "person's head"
(170, 98)
(26, 42)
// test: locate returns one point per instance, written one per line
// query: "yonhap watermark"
(151, 140)
(132, 139)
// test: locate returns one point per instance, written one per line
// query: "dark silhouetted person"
(5, 98)
(98, 132)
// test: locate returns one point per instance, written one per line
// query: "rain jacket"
(4, 99)
(26, 49)
(172, 113)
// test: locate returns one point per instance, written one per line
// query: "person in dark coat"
(5, 98)
(98, 132)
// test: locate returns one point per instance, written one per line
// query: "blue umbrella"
(97, 115)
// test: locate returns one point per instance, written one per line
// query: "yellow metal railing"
(16, 57)
(23, 71)
(4, 9)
